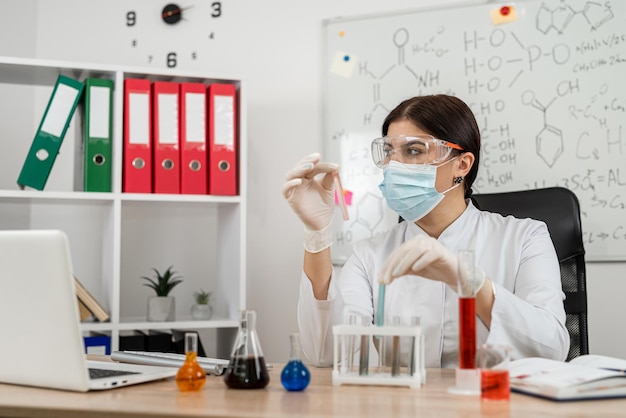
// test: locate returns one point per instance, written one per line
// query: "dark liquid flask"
(247, 369)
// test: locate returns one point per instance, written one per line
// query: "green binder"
(50, 134)
(98, 134)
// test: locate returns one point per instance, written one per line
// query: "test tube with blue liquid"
(380, 321)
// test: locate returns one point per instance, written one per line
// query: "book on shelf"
(90, 303)
(85, 314)
(585, 377)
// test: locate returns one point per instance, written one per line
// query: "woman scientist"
(429, 154)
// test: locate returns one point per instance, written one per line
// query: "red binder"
(193, 149)
(165, 144)
(223, 144)
(137, 158)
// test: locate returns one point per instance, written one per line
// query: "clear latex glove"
(312, 199)
(425, 256)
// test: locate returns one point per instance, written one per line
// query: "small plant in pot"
(162, 307)
(202, 309)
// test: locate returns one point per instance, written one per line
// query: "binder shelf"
(115, 236)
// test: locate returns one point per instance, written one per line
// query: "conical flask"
(247, 369)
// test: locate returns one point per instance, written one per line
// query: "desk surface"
(320, 399)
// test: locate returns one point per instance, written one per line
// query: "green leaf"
(202, 297)
(162, 284)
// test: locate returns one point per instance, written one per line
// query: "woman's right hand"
(312, 200)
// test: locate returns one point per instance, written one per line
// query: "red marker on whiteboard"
(341, 196)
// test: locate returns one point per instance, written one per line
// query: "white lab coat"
(516, 254)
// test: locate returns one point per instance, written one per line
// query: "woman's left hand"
(425, 256)
(421, 256)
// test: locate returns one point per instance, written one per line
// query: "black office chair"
(558, 207)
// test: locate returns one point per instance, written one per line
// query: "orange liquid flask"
(191, 377)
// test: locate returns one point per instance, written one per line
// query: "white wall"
(276, 46)
(17, 32)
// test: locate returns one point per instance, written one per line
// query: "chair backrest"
(558, 207)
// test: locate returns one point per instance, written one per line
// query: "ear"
(464, 164)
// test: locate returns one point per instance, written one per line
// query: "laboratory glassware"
(493, 361)
(246, 368)
(467, 376)
(191, 377)
(295, 375)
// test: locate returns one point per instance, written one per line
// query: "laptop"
(42, 343)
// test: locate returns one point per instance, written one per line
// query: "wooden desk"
(320, 399)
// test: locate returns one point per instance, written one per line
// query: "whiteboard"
(547, 85)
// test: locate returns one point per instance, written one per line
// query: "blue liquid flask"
(295, 376)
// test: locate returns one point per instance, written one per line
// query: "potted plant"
(162, 307)
(202, 309)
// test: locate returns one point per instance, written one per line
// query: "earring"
(458, 180)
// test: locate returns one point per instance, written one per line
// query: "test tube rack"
(348, 367)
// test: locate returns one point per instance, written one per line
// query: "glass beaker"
(493, 361)
(247, 369)
(295, 375)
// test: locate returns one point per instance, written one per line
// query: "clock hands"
(172, 13)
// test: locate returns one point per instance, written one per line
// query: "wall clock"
(172, 34)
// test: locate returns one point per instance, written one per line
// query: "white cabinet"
(117, 237)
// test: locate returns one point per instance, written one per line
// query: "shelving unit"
(117, 237)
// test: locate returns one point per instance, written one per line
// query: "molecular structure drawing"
(558, 18)
(549, 141)
(401, 73)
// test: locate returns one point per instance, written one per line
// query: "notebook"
(42, 342)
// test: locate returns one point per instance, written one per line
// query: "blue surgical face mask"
(409, 189)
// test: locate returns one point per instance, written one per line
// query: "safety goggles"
(411, 150)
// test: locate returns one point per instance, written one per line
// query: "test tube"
(380, 321)
(382, 354)
(380, 310)
(395, 350)
(415, 321)
(364, 358)
(349, 346)
(341, 196)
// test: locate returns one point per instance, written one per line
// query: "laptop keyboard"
(102, 373)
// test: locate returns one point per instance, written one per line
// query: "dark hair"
(444, 117)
